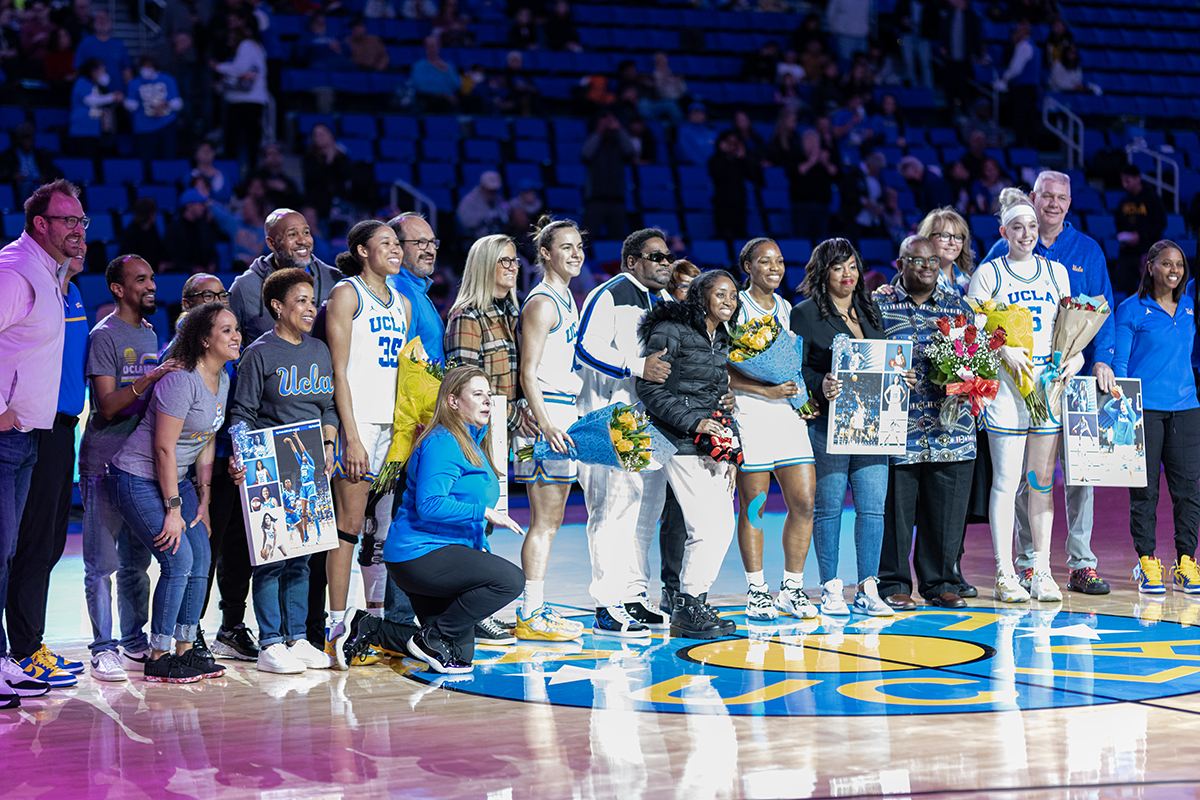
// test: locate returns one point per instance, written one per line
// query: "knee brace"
(348, 537)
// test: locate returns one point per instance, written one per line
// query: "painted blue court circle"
(929, 661)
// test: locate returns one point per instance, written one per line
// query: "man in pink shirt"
(32, 328)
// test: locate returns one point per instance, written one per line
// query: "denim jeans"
(868, 477)
(18, 454)
(109, 546)
(179, 595)
(281, 600)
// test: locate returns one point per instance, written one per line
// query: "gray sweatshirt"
(280, 383)
(246, 301)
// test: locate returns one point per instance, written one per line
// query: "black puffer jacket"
(698, 376)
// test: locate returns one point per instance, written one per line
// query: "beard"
(148, 307)
(287, 260)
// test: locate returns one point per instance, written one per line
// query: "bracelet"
(330, 443)
(204, 485)
(136, 393)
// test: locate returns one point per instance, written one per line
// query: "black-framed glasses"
(659, 258)
(423, 244)
(208, 296)
(71, 221)
(921, 263)
(509, 263)
(949, 237)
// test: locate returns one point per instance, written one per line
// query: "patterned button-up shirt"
(928, 440)
(488, 340)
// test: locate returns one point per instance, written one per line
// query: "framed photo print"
(870, 414)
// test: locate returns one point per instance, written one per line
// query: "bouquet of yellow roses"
(763, 350)
(618, 436)
(418, 379)
(1017, 322)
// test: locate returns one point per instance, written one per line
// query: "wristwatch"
(172, 502)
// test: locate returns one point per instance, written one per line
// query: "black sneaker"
(205, 665)
(648, 615)
(615, 621)
(170, 668)
(201, 645)
(238, 643)
(694, 619)
(490, 630)
(427, 646)
(354, 639)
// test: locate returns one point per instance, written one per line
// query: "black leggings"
(1172, 441)
(456, 586)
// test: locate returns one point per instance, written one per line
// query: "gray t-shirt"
(186, 396)
(123, 352)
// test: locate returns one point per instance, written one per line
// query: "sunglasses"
(659, 258)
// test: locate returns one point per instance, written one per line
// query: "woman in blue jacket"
(436, 551)
(1155, 333)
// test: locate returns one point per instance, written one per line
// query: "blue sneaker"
(1148, 575)
(1186, 576)
(66, 665)
(615, 621)
(41, 667)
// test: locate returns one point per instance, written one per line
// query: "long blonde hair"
(478, 286)
(948, 217)
(454, 383)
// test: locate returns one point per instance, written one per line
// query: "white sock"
(376, 612)
(534, 597)
(1041, 562)
(335, 618)
(755, 578)
(795, 577)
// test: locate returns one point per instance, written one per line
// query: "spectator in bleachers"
(814, 60)
(645, 143)
(859, 79)
(787, 96)
(185, 32)
(606, 152)
(983, 120)
(985, 192)
(244, 229)
(322, 250)
(696, 137)
(1035, 12)
(109, 49)
(367, 50)
(560, 30)
(852, 125)
(730, 169)
(823, 125)
(37, 31)
(10, 40)
(888, 123)
(326, 170)
(409, 9)
(153, 100)
(1141, 220)
(1057, 41)
(892, 217)
(917, 22)
(141, 234)
(78, 20)
(318, 49)
(785, 140)
(849, 24)
(959, 181)
(435, 81)
(203, 167)
(760, 66)
(756, 148)
(630, 103)
(976, 154)
(451, 27)
(862, 195)
(483, 211)
(670, 88)
(811, 173)
(809, 30)
(489, 94)
(93, 125)
(245, 86)
(960, 43)
(26, 166)
(827, 91)
(525, 207)
(789, 65)
(523, 34)
(59, 62)
(1066, 75)
(1022, 79)
(928, 188)
(191, 243)
(522, 91)
(281, 190)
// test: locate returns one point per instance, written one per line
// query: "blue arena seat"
(440, 150)
(529, 128)
(101, 227)
(14, 225)
(358, 149)
(515, 173)
(482, 150)
(667, 223)
(397, 126)
(491, 128)
(471, 172)
(603, 250)
(8, 200)
(564, 198)
(711, 253)
(175, 170)
(699, 225)
(102, 198)
(535, 150)
(78, 170)
(360, 125)
(570, 174)
(387, 172)
(397, 149)
(436, 175)
(166, 197)
(444, 128)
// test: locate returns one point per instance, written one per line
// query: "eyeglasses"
(659, 258)
(921, 263)
(509, 263)
(208, 297)
(423, 244)
(949, 237)
(71, 222)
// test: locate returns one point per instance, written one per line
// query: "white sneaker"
(759, 605)
(792, 600)
(1043, 587)
(19, 683)
(867, 601)
(106, 666)
(832, 602)
(279, 659)
(134, 660)
(1009, 589)
(311, 657)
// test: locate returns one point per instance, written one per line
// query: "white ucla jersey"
(1038, 285)
(378, 333)
(752, 310)
(556, 375)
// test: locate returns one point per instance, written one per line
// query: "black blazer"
(818, 336)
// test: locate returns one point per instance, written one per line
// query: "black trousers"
(933, 498)
(243, 132)
(41, 537)
(231, 555)
(387, 635)
(1172, 445)
(456, 586)
(672, 537)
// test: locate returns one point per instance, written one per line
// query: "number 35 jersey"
(378, 333)
(1038, 285)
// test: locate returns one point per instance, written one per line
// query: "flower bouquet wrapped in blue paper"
(618, 436)
(761, 349)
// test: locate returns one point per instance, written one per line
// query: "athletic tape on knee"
(1037, 487)
(755, 510)
(348, 537)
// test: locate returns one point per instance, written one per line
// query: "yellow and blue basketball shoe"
(1186, 576)
(41, 667)
(1148, 575)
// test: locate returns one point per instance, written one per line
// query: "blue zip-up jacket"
(71, 385)
(1191, 292)
(1088, 270)
(1157, 348)
(426, 321)
(445, 499)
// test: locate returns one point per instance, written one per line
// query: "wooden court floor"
(1090, 698)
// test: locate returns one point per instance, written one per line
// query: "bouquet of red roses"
(1078, 321)
(965, 362)
(726, 446)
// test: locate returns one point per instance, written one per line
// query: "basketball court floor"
(1096, 697)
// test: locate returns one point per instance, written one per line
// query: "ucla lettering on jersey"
(379, 331)
(1040, 292)
(556, 372)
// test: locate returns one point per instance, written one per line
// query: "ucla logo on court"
(929, 661)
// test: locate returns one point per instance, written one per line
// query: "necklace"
(375, 294)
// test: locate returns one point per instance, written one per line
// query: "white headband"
(1014, 211)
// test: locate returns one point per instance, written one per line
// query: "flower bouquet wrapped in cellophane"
(1079, 320)
(618, 436)
(965, 364)
(418, 380)
(764, 350)
(1017, 322)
